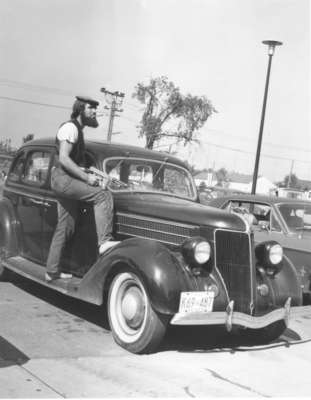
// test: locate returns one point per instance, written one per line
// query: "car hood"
(300, 242)
(177, 209)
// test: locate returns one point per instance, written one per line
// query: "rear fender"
(9, 228)
(163, 276)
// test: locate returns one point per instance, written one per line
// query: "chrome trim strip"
(247, 225)
(253, 277)
(144, 219)
(162, 221)
(144, 237)
(22, 193)
(151, 230)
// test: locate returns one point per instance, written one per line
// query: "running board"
(36, 272)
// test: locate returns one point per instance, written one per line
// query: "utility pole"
(289, 181)
(115, 100)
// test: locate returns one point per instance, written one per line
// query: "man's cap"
(89, 100)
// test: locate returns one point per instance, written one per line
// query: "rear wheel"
(134, 324)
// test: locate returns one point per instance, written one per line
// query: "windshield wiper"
(161, 166)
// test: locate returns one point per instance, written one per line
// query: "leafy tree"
(291, 181)
(168, 113)
(27, 138)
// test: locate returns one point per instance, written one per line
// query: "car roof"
(114, 150)
(259, 198)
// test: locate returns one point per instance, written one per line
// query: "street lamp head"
(272, 44)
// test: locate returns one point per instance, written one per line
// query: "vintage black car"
(179, 262)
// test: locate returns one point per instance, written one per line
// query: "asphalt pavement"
(52, 346)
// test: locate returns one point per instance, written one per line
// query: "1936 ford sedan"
(178, 261)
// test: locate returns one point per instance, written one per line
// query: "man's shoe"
(107, 245)
(52, 277)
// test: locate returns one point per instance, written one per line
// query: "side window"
(36, 168)
(17, 169)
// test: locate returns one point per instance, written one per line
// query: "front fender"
(163, 276)
(283, 285)
(301, 258)
(9, 228)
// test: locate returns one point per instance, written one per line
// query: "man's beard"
(89, 121)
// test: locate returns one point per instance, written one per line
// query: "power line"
(250, 152)
(251, 140)
(34, 102)
(29, 86)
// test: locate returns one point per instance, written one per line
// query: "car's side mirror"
(263, 225)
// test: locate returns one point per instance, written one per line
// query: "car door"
(27, 189)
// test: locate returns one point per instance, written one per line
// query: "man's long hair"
(78, 109)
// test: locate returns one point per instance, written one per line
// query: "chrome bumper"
(229, 317)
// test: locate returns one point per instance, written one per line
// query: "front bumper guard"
(231, 317)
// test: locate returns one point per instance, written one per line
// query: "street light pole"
(272, 44)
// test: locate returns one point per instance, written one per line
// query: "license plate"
(196, 302)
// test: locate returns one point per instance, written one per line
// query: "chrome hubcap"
(133, 308)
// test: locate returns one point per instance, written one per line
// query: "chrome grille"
(233, 261)
(156, 229)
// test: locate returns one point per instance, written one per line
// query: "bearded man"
(72, 184)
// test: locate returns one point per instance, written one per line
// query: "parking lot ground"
(53, 346)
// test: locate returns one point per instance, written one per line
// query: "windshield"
(141, 175)
(296, 216)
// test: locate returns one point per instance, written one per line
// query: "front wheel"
(134, 324)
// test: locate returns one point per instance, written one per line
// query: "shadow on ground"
(89, 312)
(10, 355)
(178, 338)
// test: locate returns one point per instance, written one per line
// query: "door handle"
(40, 202)
(37, 202)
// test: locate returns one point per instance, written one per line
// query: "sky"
(52, 50)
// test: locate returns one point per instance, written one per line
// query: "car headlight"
(202, 252)
(270, 256)
(275, 254)
(197, 251)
